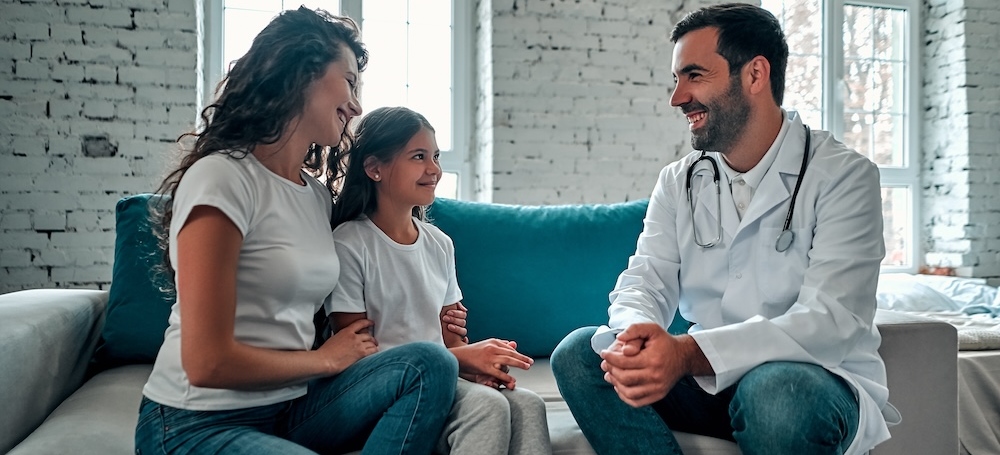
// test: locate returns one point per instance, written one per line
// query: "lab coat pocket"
(781, 272)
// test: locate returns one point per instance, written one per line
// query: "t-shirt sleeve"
(216, 182)
(349, 294)
(453, 293)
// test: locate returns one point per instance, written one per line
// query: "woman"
(248, 234)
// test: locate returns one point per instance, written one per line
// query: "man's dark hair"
(745, 31)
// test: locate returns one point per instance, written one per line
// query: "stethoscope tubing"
(785, 238)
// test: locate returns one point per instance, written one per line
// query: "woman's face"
(331, 101)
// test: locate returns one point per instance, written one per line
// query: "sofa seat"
(99, 418)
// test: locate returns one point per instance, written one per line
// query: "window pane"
(447, 186)
(384, 81)
(244, 19)
(803, 76)
(858, 132)
(897, 228)
(240, 28)
(875, 106)
(410, 47)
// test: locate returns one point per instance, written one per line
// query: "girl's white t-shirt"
(402, 288)
(287, 266)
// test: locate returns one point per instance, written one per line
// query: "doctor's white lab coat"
(750, 304)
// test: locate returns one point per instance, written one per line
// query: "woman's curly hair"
(263, 92)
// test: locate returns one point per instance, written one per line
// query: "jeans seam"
(345, 389)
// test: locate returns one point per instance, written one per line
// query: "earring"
(377, 177)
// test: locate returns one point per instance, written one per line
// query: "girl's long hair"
(381, 134)
(263, 92)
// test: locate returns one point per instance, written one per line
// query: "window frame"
(458, 159)
(907, 175)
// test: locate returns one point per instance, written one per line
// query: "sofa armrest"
(47, 337)
(921, 361)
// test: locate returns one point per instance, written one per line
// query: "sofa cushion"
(137, 309)
(533, 274)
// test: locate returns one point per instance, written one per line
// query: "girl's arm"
(208, 247)
(340, 320)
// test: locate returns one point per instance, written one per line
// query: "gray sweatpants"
(487, 421)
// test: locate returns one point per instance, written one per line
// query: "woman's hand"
(488, 362)
(453, 325)
(350, 344)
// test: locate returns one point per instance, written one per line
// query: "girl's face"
(331, 101)
(410, 178)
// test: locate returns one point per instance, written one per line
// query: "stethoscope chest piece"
(784, 241)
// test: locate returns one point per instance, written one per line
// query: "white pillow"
(903, 292)
(964, 291)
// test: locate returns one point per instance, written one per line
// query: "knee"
(487, 406)
(775, 397)
(428, 358)
(573, 357)
(524, 402)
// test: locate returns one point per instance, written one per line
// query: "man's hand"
(645, 362)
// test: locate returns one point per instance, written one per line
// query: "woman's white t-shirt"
(402, 288)
(287, 266)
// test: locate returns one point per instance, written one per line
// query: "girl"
(248, 232)
(399, 271)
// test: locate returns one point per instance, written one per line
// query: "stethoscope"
(786, 237)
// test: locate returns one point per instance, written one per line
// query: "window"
(852, 68)
(420, 59)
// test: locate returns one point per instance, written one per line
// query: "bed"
(973, 307)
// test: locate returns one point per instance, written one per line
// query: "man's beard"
(728, 115)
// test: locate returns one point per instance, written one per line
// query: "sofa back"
(533, 274)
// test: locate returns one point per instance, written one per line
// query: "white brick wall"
(562, 87)
(580, 98)
(961, 87)
(124, 69)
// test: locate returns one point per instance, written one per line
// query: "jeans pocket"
(149, 429)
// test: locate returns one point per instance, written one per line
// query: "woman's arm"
(208, 247)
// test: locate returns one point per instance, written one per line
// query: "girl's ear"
(372, 168)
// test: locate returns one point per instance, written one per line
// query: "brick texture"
(571, 107)
(71, 70)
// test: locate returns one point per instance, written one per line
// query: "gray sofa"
(47, 338)
(530, 274)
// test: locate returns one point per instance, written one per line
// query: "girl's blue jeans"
(392, 402)
(776, 408)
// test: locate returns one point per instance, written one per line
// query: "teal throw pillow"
(533, 274)
(137, 311)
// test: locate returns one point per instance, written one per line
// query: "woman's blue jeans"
(392, 402)
(776, 408)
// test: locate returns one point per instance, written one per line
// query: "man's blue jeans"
(776, 408)
(392, 402)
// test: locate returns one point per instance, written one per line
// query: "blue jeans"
(392, 402)
(776, 408)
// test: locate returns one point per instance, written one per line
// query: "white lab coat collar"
(786, 159)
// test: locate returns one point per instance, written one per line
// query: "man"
(782, 353)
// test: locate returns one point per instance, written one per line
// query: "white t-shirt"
(287, 267)
(401, 287)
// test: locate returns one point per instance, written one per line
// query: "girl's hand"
(348, 345)
(491, 358)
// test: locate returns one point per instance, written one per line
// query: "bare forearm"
(242, 367)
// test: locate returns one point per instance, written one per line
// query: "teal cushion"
(137, 311)
(533, 274)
